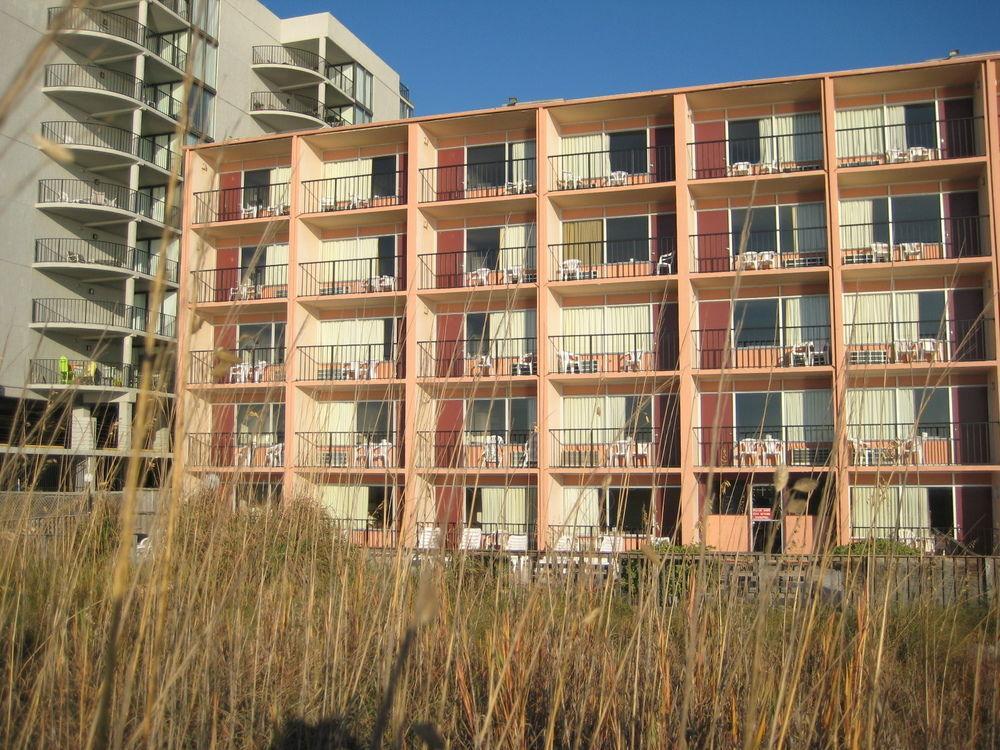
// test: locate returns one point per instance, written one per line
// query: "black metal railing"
(237, 366)
(166, 49)
(921, 443)
(106, 195)
(97, 135)
(181, 8)
(404, 92)
(277, 55)
(102, 253)
(258, 450)
(953, 138)
(765, 154)
(764, 445)
(71, 18)
(613, 259)
(482, 449)
(612, 168)
(103, 314)
(348, 450)
(614, 447)
(751, 347)
(350, 362)
(517, 538)
(92, 77)
(366, 532)
(937, 540)
(261, 101)
(158, 98)
(461, 358)
(356, 276)
(341, 75)
(575, 544)
(354, 192)
(924, 239)
(919, 341)
(238, 204)
(81, 372)
(471, 268)
(788, 248)
(614, 352)
(240, 284)
(484, 180)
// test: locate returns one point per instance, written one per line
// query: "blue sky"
(456, 55)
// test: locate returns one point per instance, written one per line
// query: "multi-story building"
(115, 91)
(757, 314)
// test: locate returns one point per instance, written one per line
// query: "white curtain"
(358, 258)
(276, 255)
(512, 332)
(626, 321)
(856, 224)
(336, 332)
(809, 225)
(585, 155)
(906, 411)
(907, 315)
(801, 409)
(859, 132)
(798, 138)
(522, 165)
(768, 153)
(867, 318)
(507, 505)
(514, 246)
(806, 319)
(578, 323)
(335, 416)
(895, 127)
(581, 506)
(280, 175)
(891, 512)
(344, 501)
(346, 189)
(581, 412)
(870, 413)
(613, 413)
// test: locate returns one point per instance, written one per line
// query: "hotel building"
(629, 316)
(118, 88)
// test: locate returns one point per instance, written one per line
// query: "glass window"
(639, 417)
(405, 110)
(921, 125)
(628, 239)
(763, 232)
(628, 152)
(730, 497)
(916, 218)
(486, 166)
(363, 87)
(482, 248)
(477, 339)
(757, 413)
(522, 418)
(373, 419)
(933, 409)
(755, 323)
(628, 510)
(931, 309)
(744, 141)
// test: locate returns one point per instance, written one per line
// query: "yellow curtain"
(584, 240)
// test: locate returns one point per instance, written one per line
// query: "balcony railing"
(461, 358)
(162, 46)
(493, 535)
(241, 284)
(68, 75)
(404, 91)
(911, 342)
(261, 101)
(237, 366)
(614, 352)
(925, 239)
(102, 253)
(790, 248)
(256, 450)
(354, 192)
(950, 540)
(107, 195)
(97, 135)
(62, 311)
(366, 532)
(613, 259)
(612, 168)
(764, 446)
(955, 138)
(71, 18)
(349, 362)
(357, 276)
(922, 444)
(341, 75)
(82, 372)
(472, 449)
(791, 346)
(348, 450)
(613, 447)
(485, 180)
(472, 268)
(278, 55)
(240, 204)
(747, 157)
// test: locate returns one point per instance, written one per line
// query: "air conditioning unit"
(868, 357)
(739, 169)
(920, 153)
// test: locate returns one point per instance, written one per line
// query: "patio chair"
(568, 362)
(665, 264)
(516, 547)
(275, 455)
(618, 178)
(428, 540)
(479, 277)
(240, 372)
(381, 451)
(559, 556)
(570, 268)
(767, 259)
(492, 445)
(803, 353)
(608, 547)
(619, 452)
(471, 539)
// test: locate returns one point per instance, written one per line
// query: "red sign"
(761, 514)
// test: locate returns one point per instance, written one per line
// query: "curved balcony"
(85, 374)
(98, 204)
(286, 111)
(287, 66)
(99, 90)
(96, 33)
(99, 318)
(82, 258)
(95, 145)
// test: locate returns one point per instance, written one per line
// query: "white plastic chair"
(429, 537)
(479, 277)
(804, 353)
(517, 547)
(618, 178)
(568, 362)
(619, 450)
(739, 169)
(275, 455)
(491, 449)
(381, 451)
(767, 259)
(239, 373)
(570, 268)
(472, 539)
(665, 264)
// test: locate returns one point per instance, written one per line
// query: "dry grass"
(257, 630)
